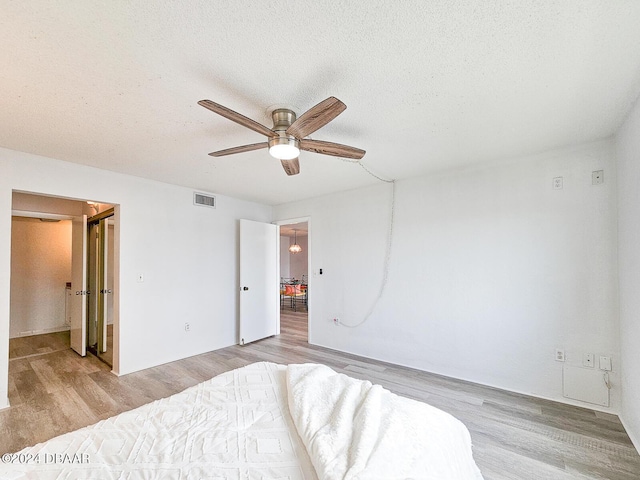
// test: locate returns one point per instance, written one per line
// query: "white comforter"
(261, 422)
(355, 430)
(235, 426)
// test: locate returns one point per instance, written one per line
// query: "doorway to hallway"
(294, 278)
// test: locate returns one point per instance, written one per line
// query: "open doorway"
(43, 289)
(294, 278)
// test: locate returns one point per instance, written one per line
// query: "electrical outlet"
(558, 183)
(187, 327)
(597, 177)
(559, 355)
(336, 322)
(587, 360)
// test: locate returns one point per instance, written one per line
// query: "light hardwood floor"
(52, 390)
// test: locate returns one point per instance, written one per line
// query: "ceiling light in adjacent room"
(295, 248)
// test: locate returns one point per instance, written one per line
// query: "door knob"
(245, 288)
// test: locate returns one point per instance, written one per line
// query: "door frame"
(310, 262)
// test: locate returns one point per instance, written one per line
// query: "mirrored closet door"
(100, 286)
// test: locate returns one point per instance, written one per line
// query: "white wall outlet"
(559, 355)
(605, 363)
(336, 321)
(558, 183)
(588, 360)
(140, 277)
(597, 177)
(187, 327)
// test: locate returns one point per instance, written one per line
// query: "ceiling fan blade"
(330, 148)
(316, 117)
(236, 117)
(292, 167)
(243, 148)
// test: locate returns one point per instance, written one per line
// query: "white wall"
(40, 268)
(284, 257)
(628, 158)
(491, 270)
(188, 256)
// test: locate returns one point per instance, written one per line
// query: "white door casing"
(259, 283)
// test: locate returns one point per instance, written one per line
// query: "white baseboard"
(634, 439)
(30, 333)
(563, 400)
(5, 405)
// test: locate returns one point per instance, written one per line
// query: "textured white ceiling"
(429, 85)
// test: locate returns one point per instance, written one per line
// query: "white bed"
(264, 421)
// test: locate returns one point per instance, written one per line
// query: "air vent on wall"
(204, 200)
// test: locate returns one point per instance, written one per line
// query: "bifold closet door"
(79, 285)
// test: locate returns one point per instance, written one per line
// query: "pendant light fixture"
(295, 248)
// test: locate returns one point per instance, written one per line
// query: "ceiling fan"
(288, 135)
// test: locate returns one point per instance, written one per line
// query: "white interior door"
(79, 285)
(259, 283)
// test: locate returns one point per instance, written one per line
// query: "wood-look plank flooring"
(515, 437)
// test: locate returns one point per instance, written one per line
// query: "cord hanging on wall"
(387, 258)
(295, 248)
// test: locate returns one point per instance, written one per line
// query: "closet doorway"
(50, 305)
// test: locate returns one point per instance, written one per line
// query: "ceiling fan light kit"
(283, 147)
(287, 150)
(287, 137)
